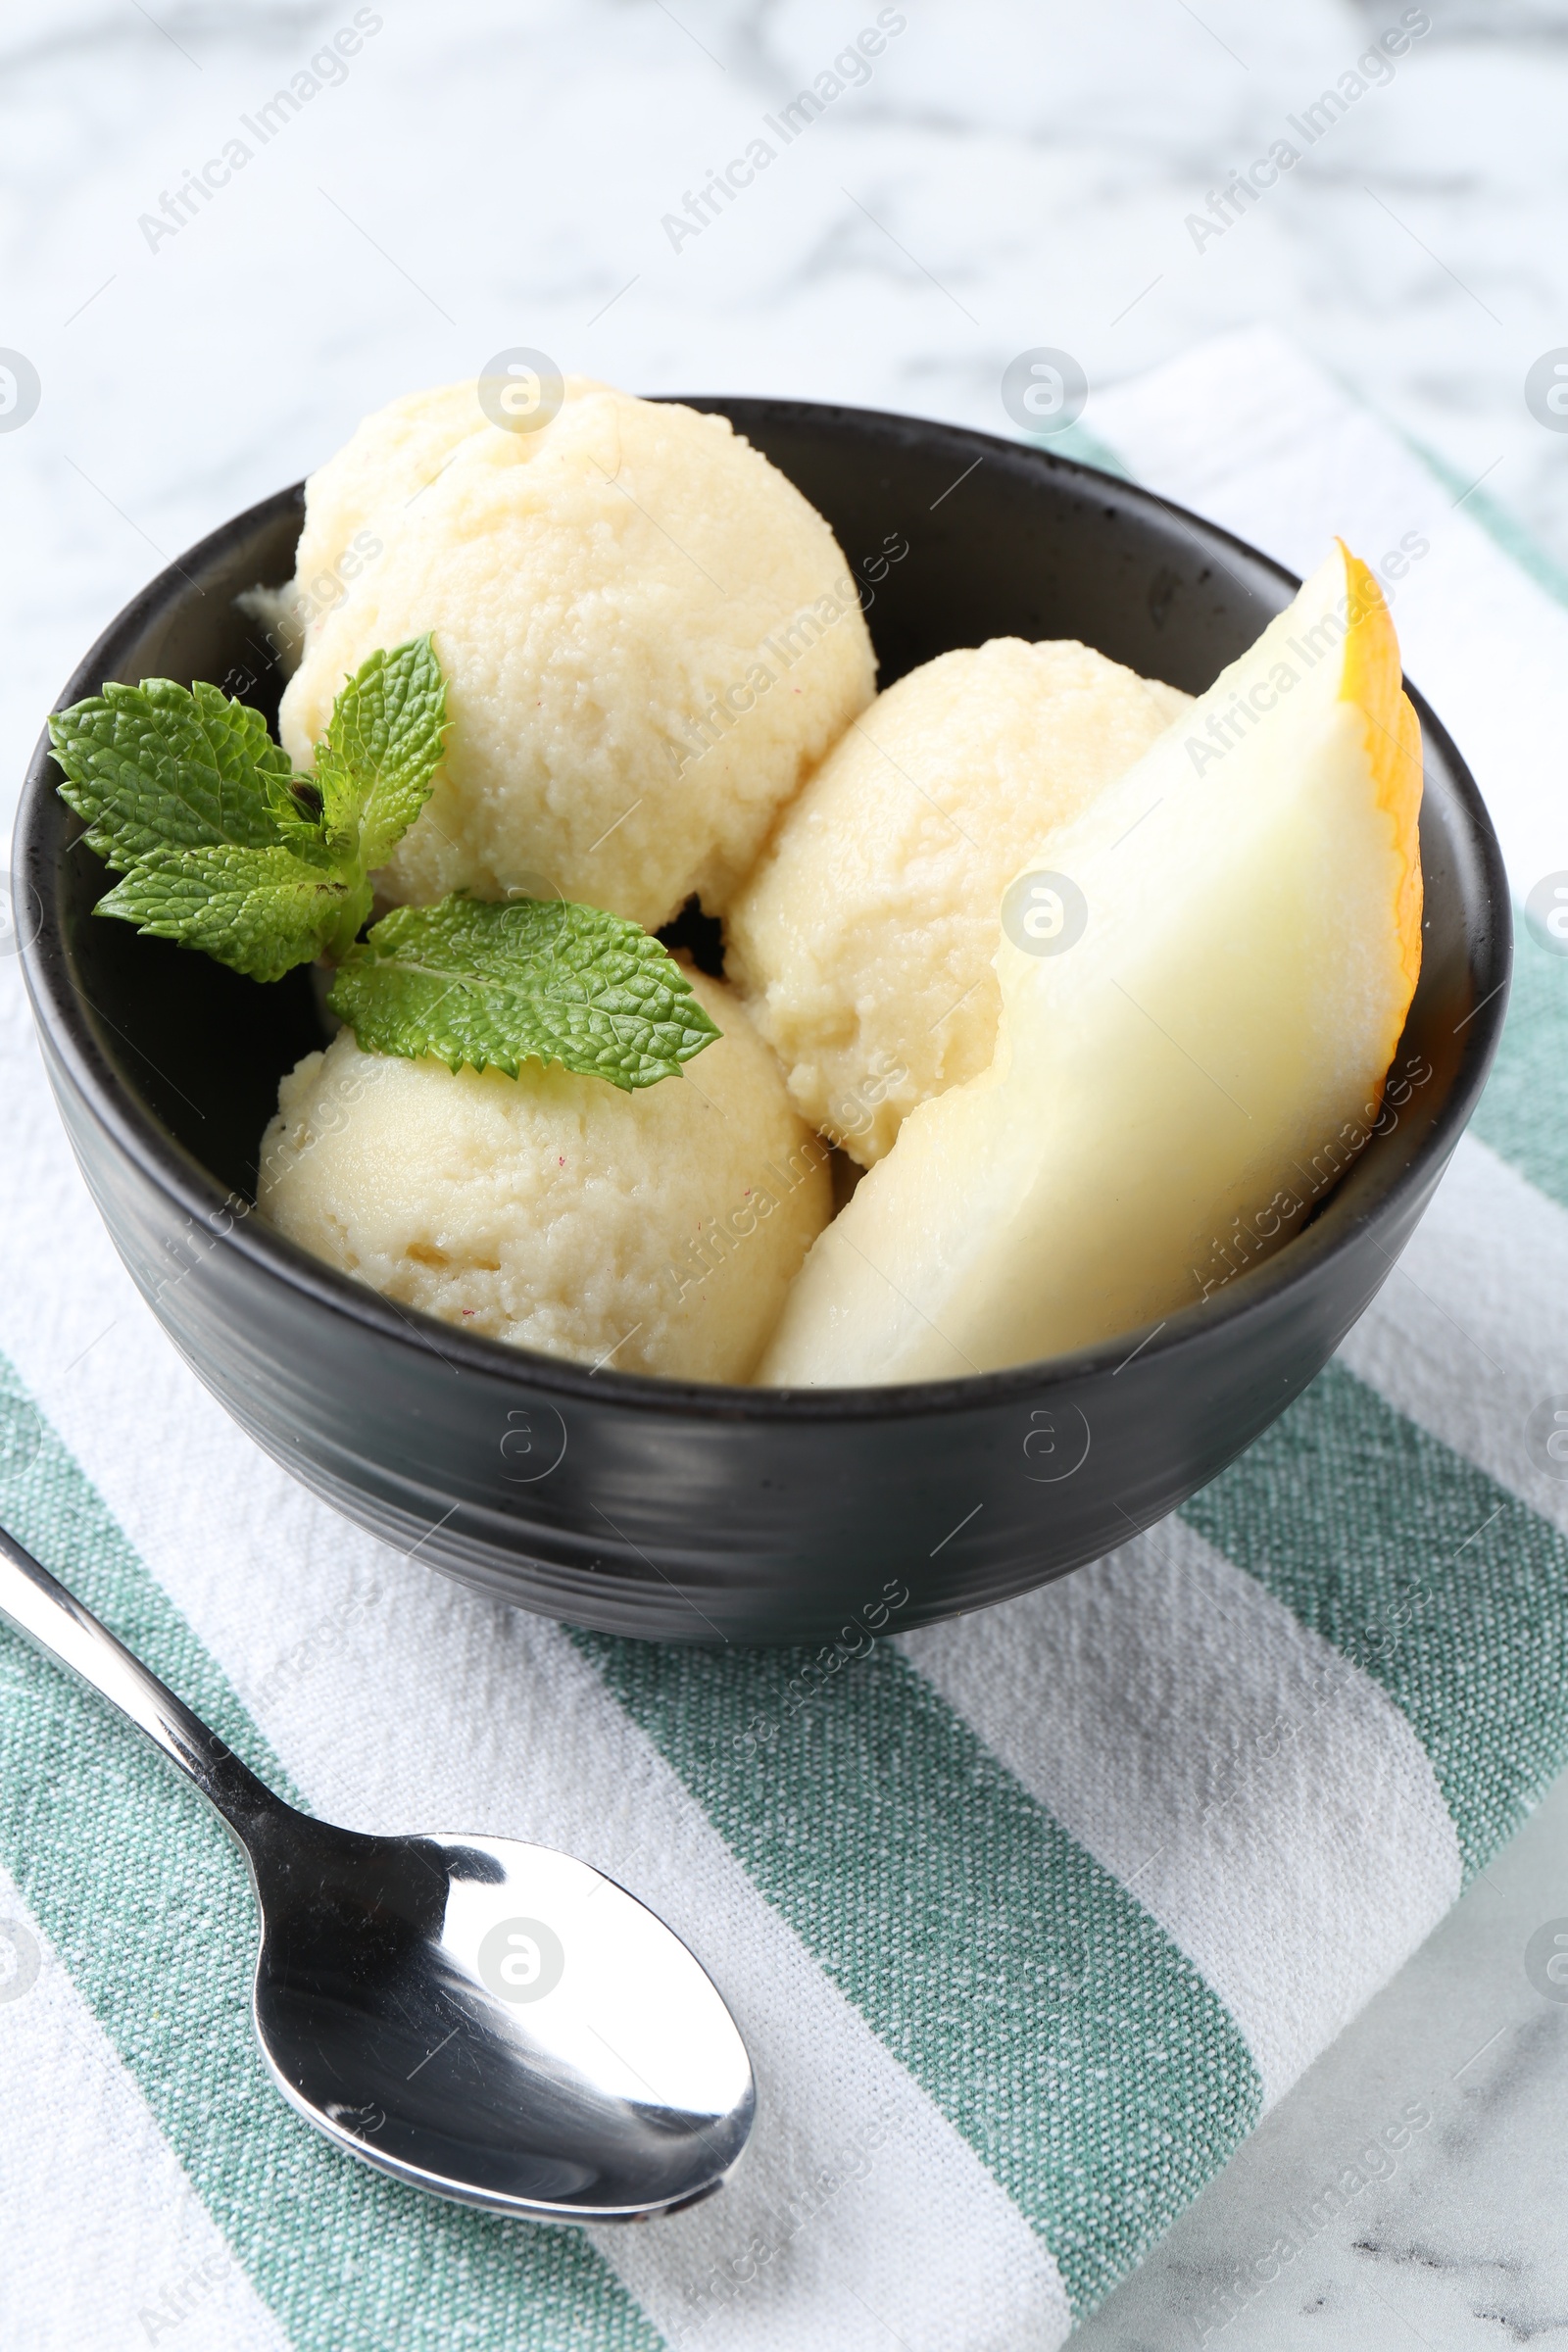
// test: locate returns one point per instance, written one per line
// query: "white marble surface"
(1016, 173)
(1460, 2243)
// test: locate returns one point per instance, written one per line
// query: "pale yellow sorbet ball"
(648, 1232)
(863, 942)
(650, 637)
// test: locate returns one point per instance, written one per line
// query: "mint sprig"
(223, 847)
(220, 846)
(486, 982)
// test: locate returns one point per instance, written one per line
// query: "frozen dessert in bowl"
(649, 638)
(634, 1497)
(867, 934)
(553, 1212)
(1058, 1142)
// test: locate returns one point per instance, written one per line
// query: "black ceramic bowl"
(675, 1510)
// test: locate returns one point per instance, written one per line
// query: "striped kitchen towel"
(1026, 1920)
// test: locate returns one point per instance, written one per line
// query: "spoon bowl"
(488, 2021)
(493, 2021)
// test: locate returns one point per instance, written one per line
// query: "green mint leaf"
(483, 982)
(382, 749)
(261, 910)
(219, 845)
(155, 766)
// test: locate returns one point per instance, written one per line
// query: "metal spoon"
(489, 2021)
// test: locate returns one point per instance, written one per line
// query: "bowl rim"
(61, 1011)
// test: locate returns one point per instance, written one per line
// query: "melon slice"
(1174, 1090)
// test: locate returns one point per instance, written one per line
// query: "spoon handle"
(38, 1606)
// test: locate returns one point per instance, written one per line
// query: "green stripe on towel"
(1445, 1588)
(144, 1895)
(1523, 1113)
(1058, 2029)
